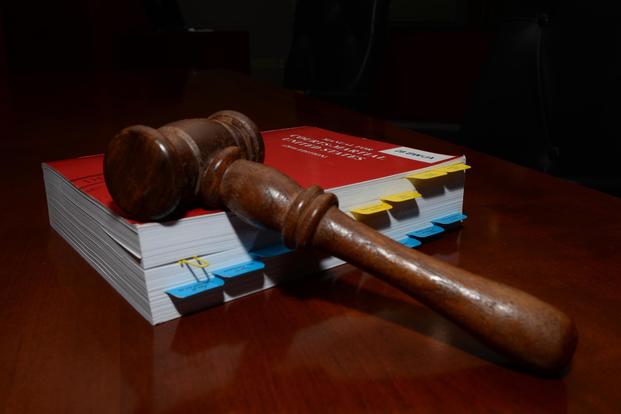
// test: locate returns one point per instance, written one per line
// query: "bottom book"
(168, 291)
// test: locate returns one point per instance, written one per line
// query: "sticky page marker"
(454, 168)
(410, 242)
(373, 209)
(185, 291)
(450, 219)
(401, 197)
(426, 232)
(240, 269)
(427, 175)
(271, 251)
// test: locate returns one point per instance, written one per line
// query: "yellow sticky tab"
(454, 168)
(400, 197)
(373, 209)
(427, 175)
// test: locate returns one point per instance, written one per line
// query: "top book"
(361, 172)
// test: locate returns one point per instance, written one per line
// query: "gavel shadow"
(354, 289)
(357, 290)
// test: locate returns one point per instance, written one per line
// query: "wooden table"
(338, 342)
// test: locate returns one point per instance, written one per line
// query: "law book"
(205, 257)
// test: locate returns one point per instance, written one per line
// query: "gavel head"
(153, 173)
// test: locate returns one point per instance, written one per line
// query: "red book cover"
(309, 155)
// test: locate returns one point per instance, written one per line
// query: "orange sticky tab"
(454, 168)
(401, 197)
(427, 175)
(372, 209)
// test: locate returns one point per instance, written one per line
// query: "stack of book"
(204, 258)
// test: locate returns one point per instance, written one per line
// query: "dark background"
(534, 82)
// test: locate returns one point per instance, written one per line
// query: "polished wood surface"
(338, 342)
(153, 174)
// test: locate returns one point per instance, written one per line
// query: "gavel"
(217, 162)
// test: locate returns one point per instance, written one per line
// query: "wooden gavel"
(153, 174)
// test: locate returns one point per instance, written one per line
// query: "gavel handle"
(514, 323)
(510, 321)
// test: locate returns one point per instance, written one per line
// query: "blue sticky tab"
(240, 269)
(451, 219)
(271, 251)
(426, 232)
(195, 288)
(410, 242)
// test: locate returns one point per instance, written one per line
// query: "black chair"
(508, 114)
(548, 98)
(335, 49)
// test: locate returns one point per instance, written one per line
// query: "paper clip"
(198, 262)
